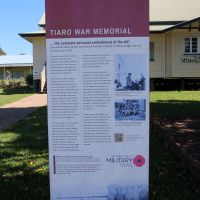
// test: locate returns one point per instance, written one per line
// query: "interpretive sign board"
(98, 98)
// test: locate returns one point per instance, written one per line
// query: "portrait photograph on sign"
(130, 72)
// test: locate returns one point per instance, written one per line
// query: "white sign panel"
(98, 100)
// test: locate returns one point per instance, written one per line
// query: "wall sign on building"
(98, 98)
(191, 59)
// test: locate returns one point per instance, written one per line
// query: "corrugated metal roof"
(167, 10)
(17, 60)
(183, 24)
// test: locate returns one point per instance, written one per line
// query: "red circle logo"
(139, 161)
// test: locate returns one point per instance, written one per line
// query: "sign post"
(98, 98)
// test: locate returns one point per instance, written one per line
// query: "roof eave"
(156, 32)
(181, 24)
(42, 25)
(16, 65)
(29, 36)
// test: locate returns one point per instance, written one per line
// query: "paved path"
(13, 112)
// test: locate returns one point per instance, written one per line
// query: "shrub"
(12, 83)
(29, 80)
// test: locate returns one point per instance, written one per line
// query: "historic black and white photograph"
(130, 109)
(130, 72)
(139, 192)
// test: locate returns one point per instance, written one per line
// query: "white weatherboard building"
(15, 67)
(174, 45)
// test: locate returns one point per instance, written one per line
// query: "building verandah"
(175, 56)
(174, 45)
(15, 67)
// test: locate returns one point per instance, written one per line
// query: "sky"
(18, 16)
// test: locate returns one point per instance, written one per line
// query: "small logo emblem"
(139, 161)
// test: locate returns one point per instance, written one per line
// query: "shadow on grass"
(24, 159)
(175, 108)
(9, 116)
(169, 178)
(24, 165)
(11, 91)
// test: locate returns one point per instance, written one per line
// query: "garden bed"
(183, 136)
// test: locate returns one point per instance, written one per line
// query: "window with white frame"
(192, 45)
(151, 51)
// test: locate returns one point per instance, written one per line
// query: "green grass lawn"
(24, 165)
(24, 159)
(12, 95)
(175, 104)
